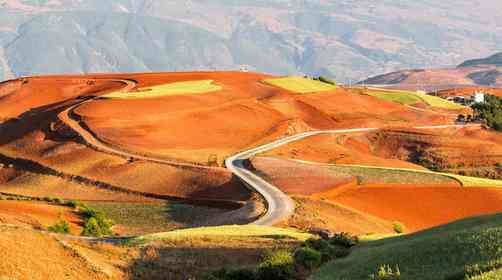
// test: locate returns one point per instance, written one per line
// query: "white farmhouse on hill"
(479, 97)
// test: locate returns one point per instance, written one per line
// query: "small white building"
(479, 97)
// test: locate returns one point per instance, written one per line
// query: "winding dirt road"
(279, 206)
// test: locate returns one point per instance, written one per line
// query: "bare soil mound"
(38, 215)
(422, 207)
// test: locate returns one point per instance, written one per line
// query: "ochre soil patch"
(312, 213)
(28, 254)
(469, 91)
(298, 179)
(338, 149)
(422, 207)
(38, 215)
(472, 150)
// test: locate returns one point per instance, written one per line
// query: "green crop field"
(178, 88)
(402, 97)
(369, 175)
(467, 249)
(439, 102)
(410, 98)
(300, 85)
(233, 231)
(466, 181)
(143, 218)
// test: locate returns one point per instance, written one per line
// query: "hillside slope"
(475, 244)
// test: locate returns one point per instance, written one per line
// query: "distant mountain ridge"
(474, 72)
(495, 60)
(345, 40)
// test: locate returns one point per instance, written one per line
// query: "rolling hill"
(483, 72)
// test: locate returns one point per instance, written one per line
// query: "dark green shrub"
(58, 201)
(96, 224)
(240, 274)
(92, 228)
(317, 244)
(72, 204)
(398, 227)
(326, 80)
(343, 239)
(385, 272)
(308, 258)
(277, 266)
(61, 226)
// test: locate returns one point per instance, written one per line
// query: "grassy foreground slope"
(188, 87)
(224, 231)
(467, 249)
(300, 85)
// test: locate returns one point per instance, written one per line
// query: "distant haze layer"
(345, 40)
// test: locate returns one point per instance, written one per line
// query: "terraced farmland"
(368, 172)
(178, 88)
(300, 85)
(411, 98)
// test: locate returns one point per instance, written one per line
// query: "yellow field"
(178, 88)
(439, 102)
(233, 231)
(300, 85)
(411, 97)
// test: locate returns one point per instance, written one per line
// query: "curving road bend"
(93, 141)
(280, 206)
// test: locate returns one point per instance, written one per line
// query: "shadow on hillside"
(190, 261)
(35, 119)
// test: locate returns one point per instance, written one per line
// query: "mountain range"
(485, 72)
(345, 40)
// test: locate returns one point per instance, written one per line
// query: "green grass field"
(143, 218)
(369, 175)
(300, 85)
(233, 231)
(467, 249)
(466, 181)
(410, 98)
(178, 88)
(402, 97)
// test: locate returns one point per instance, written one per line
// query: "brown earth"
(467, 151)
(312, 213)
(38, 215)
(187, 128)
(28, 254)
(362, 208)
(469, 91)
(422, 207)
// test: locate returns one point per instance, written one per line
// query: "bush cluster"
(96, 224)
(386, 272)
(490, 111)
(61, 226)
(285, 265)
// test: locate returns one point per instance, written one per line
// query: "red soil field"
(468, 91)
(38, 215)
(422, 207)
(297, 179)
